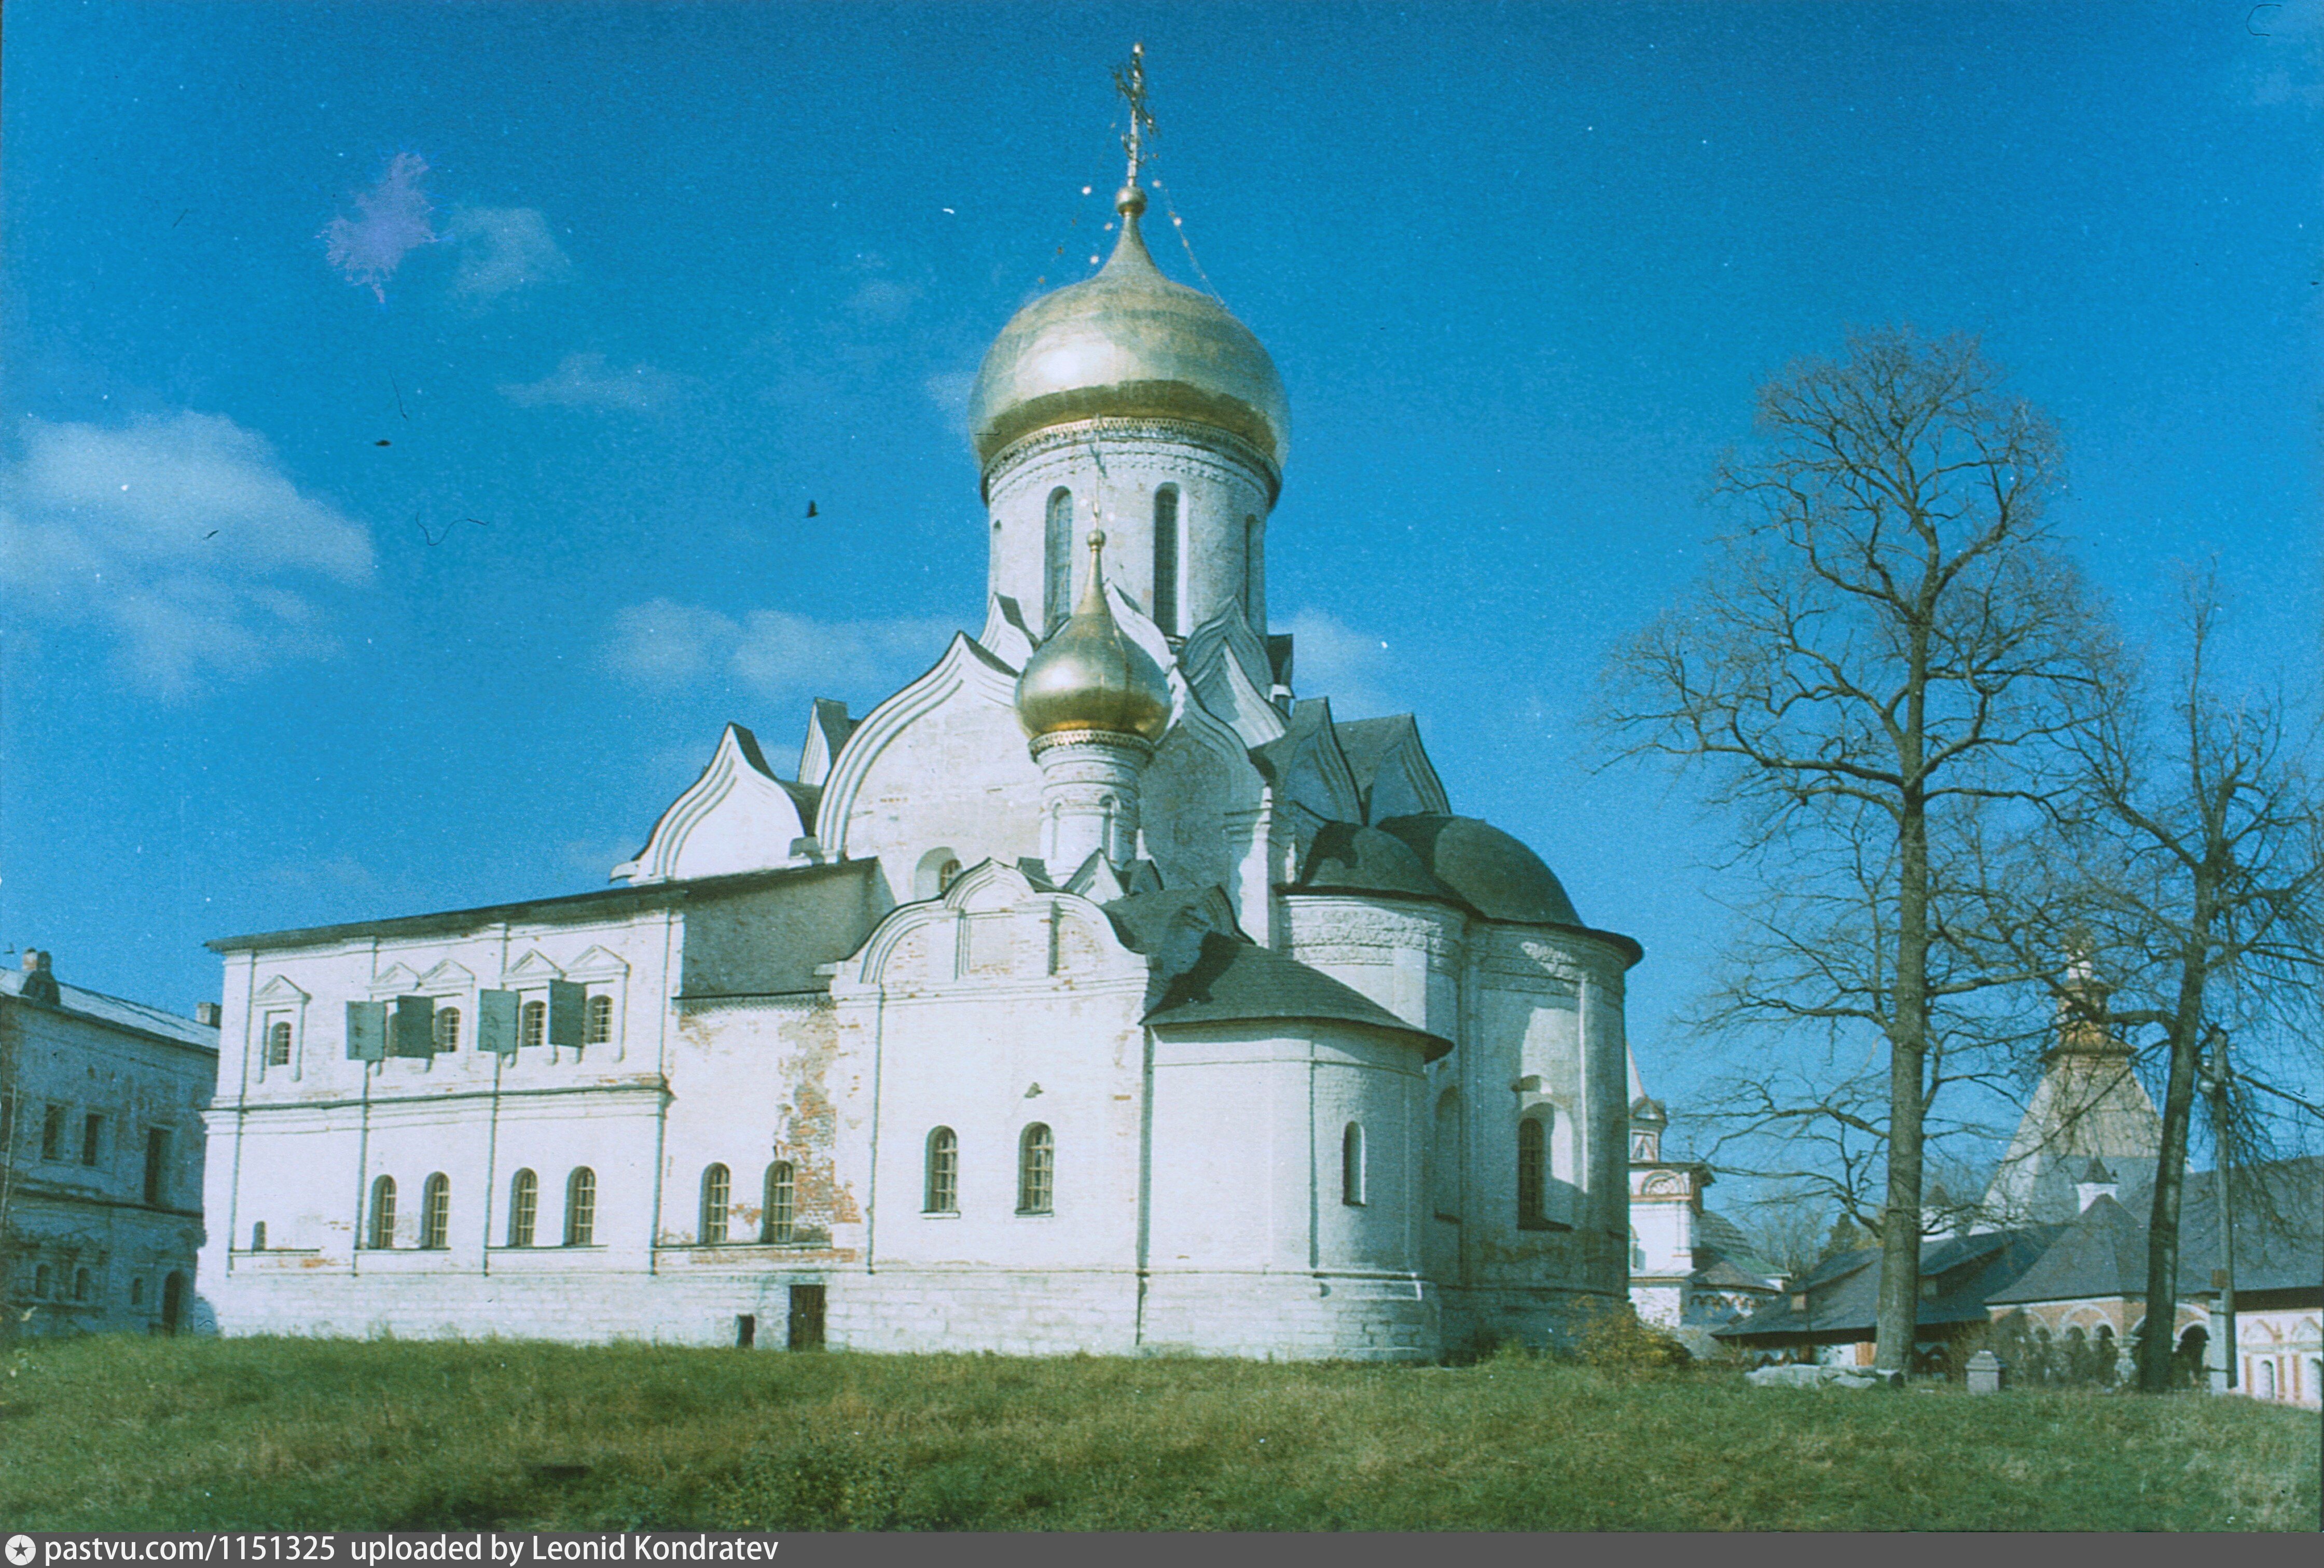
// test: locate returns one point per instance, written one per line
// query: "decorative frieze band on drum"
(1167, 441)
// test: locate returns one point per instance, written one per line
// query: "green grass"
(127, 1434)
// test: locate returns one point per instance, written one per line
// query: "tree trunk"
(2154, 1367)
(1897, 1317)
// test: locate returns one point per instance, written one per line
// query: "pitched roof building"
(100, 1157)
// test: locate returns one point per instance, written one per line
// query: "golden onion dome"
(1127, 343)
(1089, 676)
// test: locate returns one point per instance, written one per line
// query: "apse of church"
(1095, 992)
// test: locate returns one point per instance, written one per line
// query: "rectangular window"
(52, 1133)
(535, 1031)
(92, 1135)
(157, 1165)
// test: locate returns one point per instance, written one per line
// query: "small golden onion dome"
(1089, 676)
(1127, 343)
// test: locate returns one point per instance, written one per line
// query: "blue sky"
(689, 268)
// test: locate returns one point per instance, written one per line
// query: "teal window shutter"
(412, 1030)
(366, 1031)
(496, 1021)
(567, 1003)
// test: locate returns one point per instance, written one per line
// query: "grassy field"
(122, 1434)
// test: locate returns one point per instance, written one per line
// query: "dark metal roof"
(1492, 871)
(2101, 1252)
(568, 907)
(1843, 1292)
(1234, 980)
(1346, 858)
(2279, 1239)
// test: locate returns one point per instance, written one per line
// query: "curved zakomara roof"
(1457, 860)
(1238, 981)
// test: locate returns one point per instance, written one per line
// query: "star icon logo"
(20, 1550)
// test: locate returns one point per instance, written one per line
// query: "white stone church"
(1092, 993)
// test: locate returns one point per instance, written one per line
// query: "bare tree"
(2194, 846)
(1889, 649)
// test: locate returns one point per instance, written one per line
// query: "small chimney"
(207, 1012)
(40, 983)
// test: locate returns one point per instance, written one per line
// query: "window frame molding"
(772, 1231)
(435, 1213)
(931, 1192)
(718, 1179)
(524, 1203)
(278, 1001)
(586, 1235)
(1037, 1171)
(380, 1218)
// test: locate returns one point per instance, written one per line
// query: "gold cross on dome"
(1130, 81)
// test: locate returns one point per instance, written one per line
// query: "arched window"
(278, 1043)
(1036, 1170)
(581, 1207)
(524, 1207)
(775, 1216)
(1444, 1158)
(935, 871)
(258, 1237)
(41, 1279)
(1057, 560)
(82, 1286)
(448, 1028)
(435, 1213)
(532, 1029)
(1533, 1175)
(1166, 559)
(1351, 1165)
(137, 1293)
(943, 1187)
(718, 1191)
(382, 1213)
(1253, 585)
(2266, 1366)
(599, 1030)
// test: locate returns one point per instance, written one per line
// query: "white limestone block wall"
(1252, 1248)
(985, 1012)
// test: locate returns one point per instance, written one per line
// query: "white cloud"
(583, 381)
(503, 248)
(950, 390)
(1331, 659)
(368, 249)
(662, 644)
(176, 533)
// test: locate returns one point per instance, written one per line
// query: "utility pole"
(2222, 1279)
